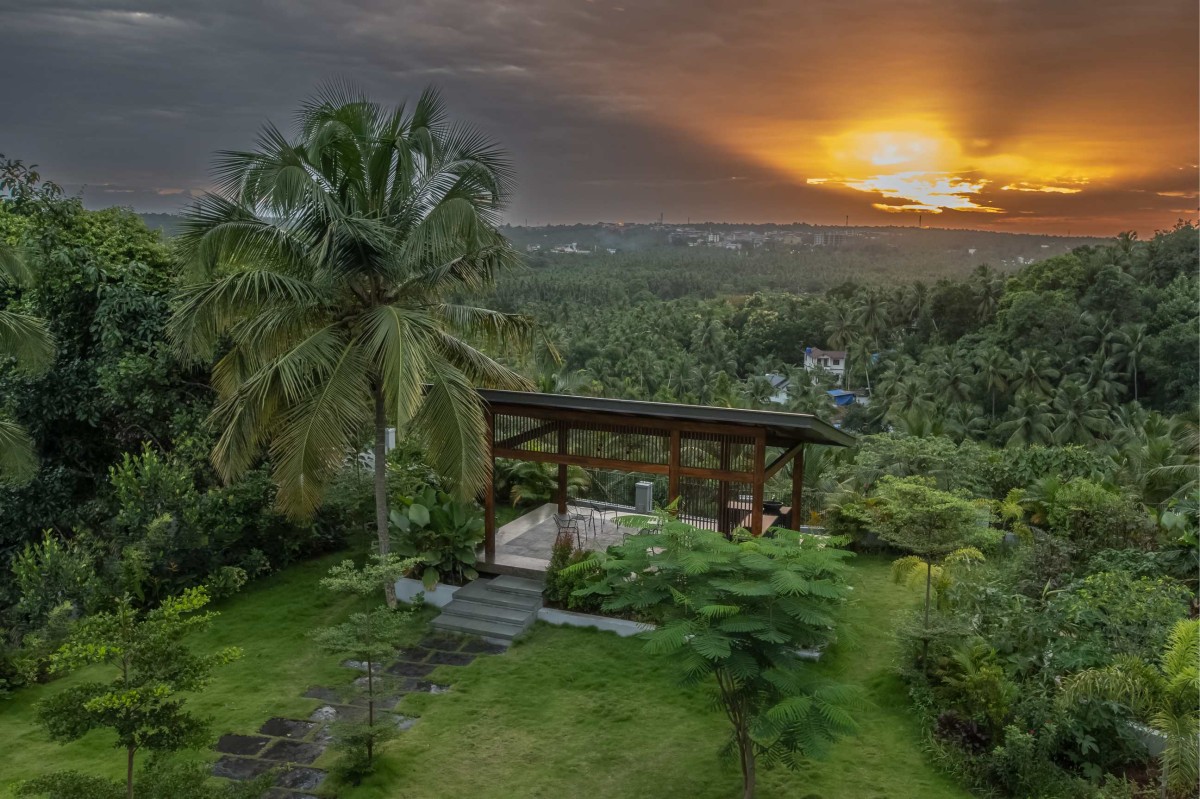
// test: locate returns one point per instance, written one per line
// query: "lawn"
(268, 621)
(572, 712)
(564, 713)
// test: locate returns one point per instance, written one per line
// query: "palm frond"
(18, 463)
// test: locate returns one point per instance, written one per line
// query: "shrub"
(442, 532)
(561, 588)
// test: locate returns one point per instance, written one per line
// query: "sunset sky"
(1022, 115)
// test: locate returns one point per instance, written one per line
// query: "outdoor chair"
(588, 518)
(567, 525)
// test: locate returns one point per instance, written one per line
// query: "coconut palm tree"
(1081, 415)
(326, 262)
(1128, 352)
(1165, 696)
(994, 371)
(1033, 373)
(25, 339)
(1029, 421)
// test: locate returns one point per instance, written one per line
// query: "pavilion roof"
(783, 429)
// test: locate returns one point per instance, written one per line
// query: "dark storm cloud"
(622, 110)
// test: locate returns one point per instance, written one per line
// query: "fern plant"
(735, 614)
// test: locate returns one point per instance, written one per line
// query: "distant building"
(832, 361)
(779, 383)
(829, 239)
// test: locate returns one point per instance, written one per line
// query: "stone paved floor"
(531, 537)
(291, 745)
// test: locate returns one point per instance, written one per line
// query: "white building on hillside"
(832, 361)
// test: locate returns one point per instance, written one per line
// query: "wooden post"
(797, 489)
(562, 468)
(489, 495)
(724, 512)
(673, 468)
(760, 469)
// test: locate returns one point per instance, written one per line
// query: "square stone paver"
(233, 744)
(240, 768)
(405, 723)
(301, 779)
(403, 669)
(287, 728)
(293, 751)
(331, 695)
(414, 654)
(478, 646)
(451, 658)
(446, 643)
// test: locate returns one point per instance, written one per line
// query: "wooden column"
(489, 493)
(562, 468)
(760, 476)
(723, 510)
(798, 489)
(673, 468)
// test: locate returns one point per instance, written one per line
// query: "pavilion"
(716, 460)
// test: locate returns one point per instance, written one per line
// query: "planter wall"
(566, 618)
(407, 589)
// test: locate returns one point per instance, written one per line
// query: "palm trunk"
(746, 747)
(129, 753)
(381, 497)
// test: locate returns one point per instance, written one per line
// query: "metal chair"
(567, 525)
(588, 518)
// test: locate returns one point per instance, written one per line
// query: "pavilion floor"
(523, 546)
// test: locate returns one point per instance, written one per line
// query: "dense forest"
(1048, 405)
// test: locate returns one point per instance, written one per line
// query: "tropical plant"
(154, 669)
(736, 613)
(26, 340)
(439, 534)
(328, 263)
(1165, 696)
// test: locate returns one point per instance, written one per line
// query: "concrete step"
(481, 591)
(490, 612)
(517, 585)
(492, 630)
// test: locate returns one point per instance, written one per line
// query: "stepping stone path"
(292, 744)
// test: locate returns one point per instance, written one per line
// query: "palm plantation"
(327, 263)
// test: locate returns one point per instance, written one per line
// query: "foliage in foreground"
(157, 780)
(143, 704)
(738, 613)
(1165, 696)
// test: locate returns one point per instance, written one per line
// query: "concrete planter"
(566, 618)
(1154, 741)
(408, 589)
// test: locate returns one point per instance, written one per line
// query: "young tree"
(330, 262)
(143, 704)
(738, 613)
(910, 514)
(368, 635)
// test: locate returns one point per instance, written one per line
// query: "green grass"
(575, 712)
(565, 713)
(268, 621)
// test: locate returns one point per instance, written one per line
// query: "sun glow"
(917, 167)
